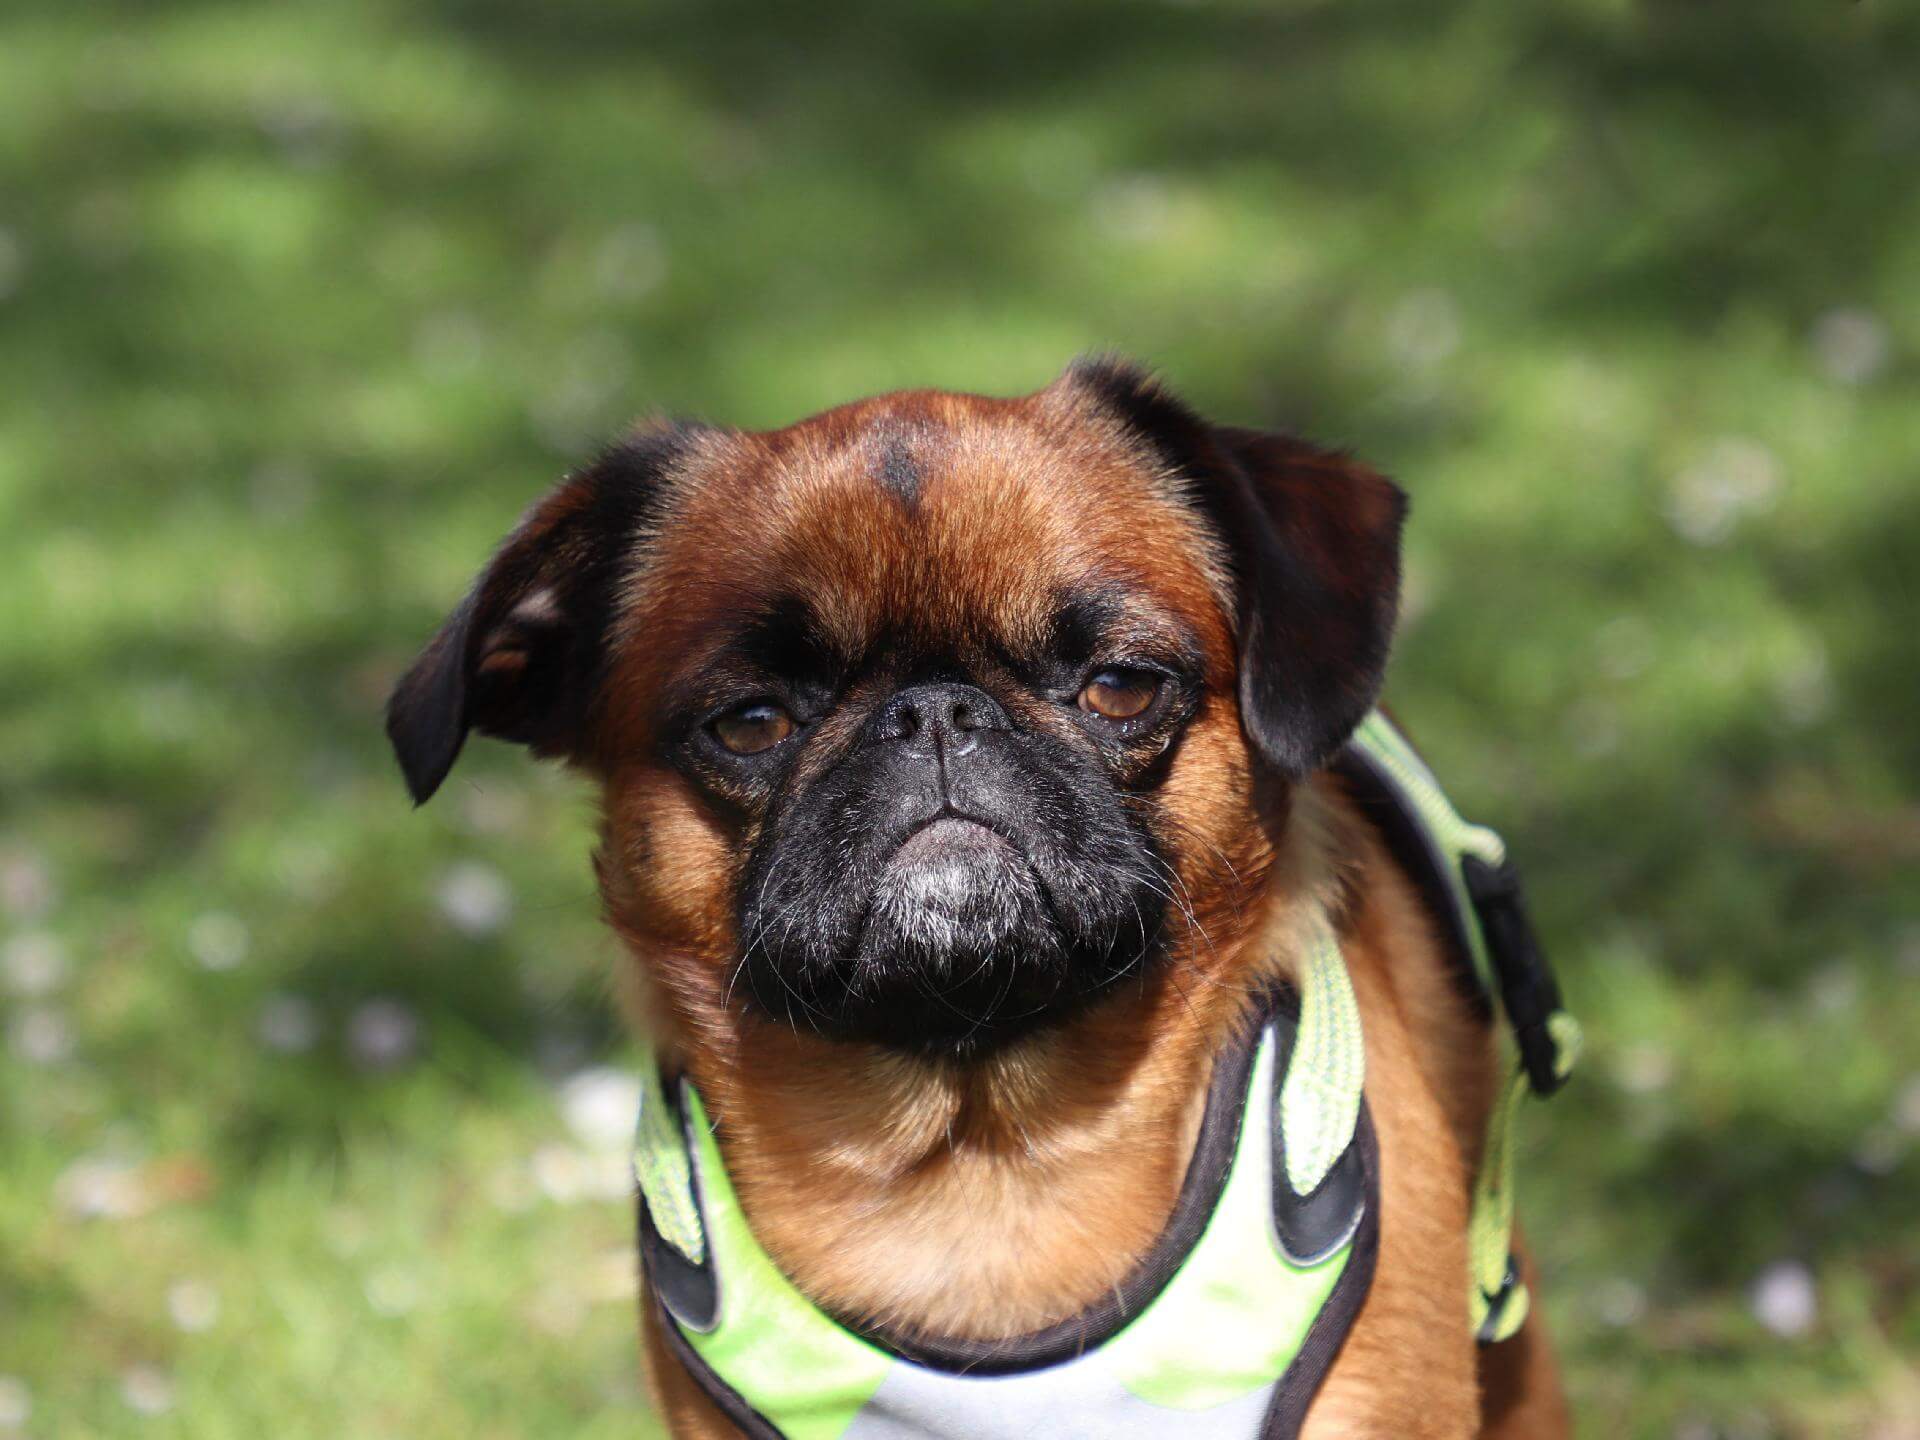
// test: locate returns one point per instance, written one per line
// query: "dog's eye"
(753, 728)
(1119, 693)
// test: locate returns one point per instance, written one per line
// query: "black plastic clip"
(1528, 992)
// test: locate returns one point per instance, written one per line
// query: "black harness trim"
(728, 1400)
(1291, 1397)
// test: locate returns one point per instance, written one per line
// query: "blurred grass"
(300, 305)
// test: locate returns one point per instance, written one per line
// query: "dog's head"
(927, 720)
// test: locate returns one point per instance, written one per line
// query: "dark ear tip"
(426, 714)
(426, 747)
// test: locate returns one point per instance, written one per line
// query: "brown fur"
(990, 1198)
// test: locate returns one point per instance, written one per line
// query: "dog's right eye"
(749, 729)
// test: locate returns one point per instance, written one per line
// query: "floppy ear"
(1313, 538)
(520, 657)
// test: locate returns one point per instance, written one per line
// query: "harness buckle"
(1528, 991)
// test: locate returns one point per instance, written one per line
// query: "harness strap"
(664, 1169)
(1488, 917)
(1320, 1098)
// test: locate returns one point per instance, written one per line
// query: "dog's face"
(928, 720)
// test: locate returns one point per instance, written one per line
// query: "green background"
(300, 304)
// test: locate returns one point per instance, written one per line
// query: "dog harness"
(1227, 1327)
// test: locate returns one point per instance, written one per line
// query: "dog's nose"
(943, 716)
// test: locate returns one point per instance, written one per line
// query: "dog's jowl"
(1072, 1006)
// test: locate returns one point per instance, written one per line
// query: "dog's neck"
(988, 1199)
(982, 1200)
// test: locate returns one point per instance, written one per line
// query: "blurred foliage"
(299, 305)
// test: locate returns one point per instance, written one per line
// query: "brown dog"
(962, 764)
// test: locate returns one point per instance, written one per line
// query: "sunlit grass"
(299, 306)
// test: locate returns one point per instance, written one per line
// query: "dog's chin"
(960, 953)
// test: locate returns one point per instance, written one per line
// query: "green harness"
(1229, 1325)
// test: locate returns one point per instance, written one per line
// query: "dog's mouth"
(960, 949)
(950, 842)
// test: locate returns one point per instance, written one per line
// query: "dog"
(965, 784)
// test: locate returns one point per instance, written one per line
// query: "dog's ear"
(1313, 538)
(520, 657)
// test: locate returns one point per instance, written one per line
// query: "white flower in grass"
(26, 886)
(610, 1175)
(632, 261)
(1644, 1069)
(193, 1305)
(511, 1188)
(491, 808)
(101, 1187)
(1851, 346)
(218, 940)
(16, 1402)
(568, 1175)
(1736, 478)
(560, 1172)
(1906, 1107)
(1804, 689)
(40, 1036)
(287, 1024)
(392, 1291)
(557, 1310)
(475, 898)
(1135, 208)
(34, 963)
(1619, 1302)
(382, 1035)
(1423, 331)
(1834, 989)
(1880, 1149)
(147, 1390)
(1785, 1300)
(612, 1279)
(599, 1106)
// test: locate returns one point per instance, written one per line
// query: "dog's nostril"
(961, 716)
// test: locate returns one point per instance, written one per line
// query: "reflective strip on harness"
(664, 1171)
(1320, 1098)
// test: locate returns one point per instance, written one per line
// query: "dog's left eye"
(1120, 693)
(749, 729)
